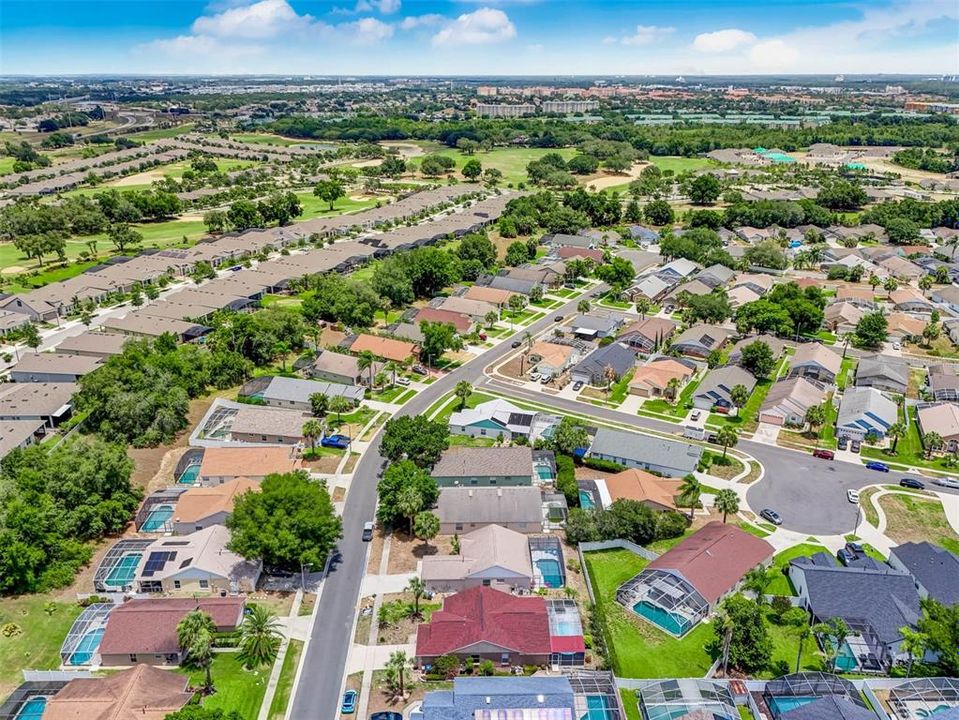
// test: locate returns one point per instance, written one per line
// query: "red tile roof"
(458, 320)
(484, 615)
(567, 644)
(149, 626)
(592, 253)
(715, 558)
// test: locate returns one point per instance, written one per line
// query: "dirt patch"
(403, 630)
(13, 270)
(330, 337)
(406, 150)
(279, 602)
(406, 552)
(915, 518)
(368, 163)
(364, 621)
(376, 552)
(516, 367)
(144, 178)
(325, 465)
(307, 604)
(603, 181)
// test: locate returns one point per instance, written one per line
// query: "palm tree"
(416, 588)
(529, 340)
(491, 317)
(895, 431)
(739, 395)
(727, 502)
(724, 623)
(397, 667)
(366, 360)
(391, 367)
(727, 437)
(463, 391)
(260, 637)
(408, 503)
(194, 634)
(609, 374)
(914, 644)
(689, 493)
(339, 405)
(837, 631)
(933, 441)
(672, 386)
(281, 349)
(642, 307)
(312, 429)
(802, 633)
(583, 306)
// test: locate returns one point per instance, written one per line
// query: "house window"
(204, 584)
(487, 583)
(133, 658)
(458, 526)
(176, 584)
(504, 659)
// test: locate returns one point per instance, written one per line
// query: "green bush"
(604, 465)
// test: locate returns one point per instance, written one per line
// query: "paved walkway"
(280, 656)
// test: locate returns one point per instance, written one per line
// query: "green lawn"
(511, 162)
(785, 642)
(315, 207)
(270, 139)
(781, 585)
(745, 419)
(161, 133)
(285, 684)
(476, 398)
(6, 165)
(909, 450)
(664, 407)
(911, 518)
(636, 647)
(630, 704)
(37, 646)
(845, 372)
(236, 688)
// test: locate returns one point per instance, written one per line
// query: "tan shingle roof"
(140, 693)
(202, 502)
(247, 462)
(643, 486)
(383, 347)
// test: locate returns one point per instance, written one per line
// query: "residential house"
(143, 692)
(865, 411)
(815, 361)
(657, 493)
(549, 275)
(679, 293)
(49, 367)
(464, 509)
(499, 298)
(861, 296)
(256, 425)
(701, 339)
(830, 707)
(48, 403)
(16, 434)
(947, 295)
(882, 373)
(476, 310)
(741, 295)
(294, 393)
(561, 240)
(643, 235)
(678, 270)
(514, 285)
(486, 624)
(198, 563)
(943, 382)
(716, 276)
(145, 630)
(910, 300)
(934, 569)
(775, 345)
(93, 344)
(716, 388)
(342, 369)
(758, 283)
(604, 365)
(494, 419)
(10, 321)
(590, 326)
(842, 317)
(224, 464)
(484, 467)
(943, 419)
(491, 556)
(901, 268)
(200, 507)
(787, 401)
(384, 348)
(648, 334)
(35, 309)
(568, 253)
(652, 287)
(494, 697)
(551, 358)
(646, 452)
(463, 323)
(875, 601)
(900, 326)
(641, 260)
(653, 378)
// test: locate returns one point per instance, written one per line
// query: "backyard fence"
(609, 545)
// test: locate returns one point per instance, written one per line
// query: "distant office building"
(569, 107)
(504, 111)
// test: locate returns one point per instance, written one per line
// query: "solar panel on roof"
(523, 419)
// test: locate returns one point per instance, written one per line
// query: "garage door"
(771, 419)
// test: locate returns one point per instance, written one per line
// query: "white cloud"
(481, 27)
(386, 7)
(415, 21)
(535, 48)
(646, 34)
(199, 46)
(773, 55)
(263, 19)
(367, 31)
(723, 40)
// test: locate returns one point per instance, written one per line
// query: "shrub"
(487, 668)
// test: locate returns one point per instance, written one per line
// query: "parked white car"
(852, 496)
(949, 482)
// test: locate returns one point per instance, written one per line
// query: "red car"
(824, 454)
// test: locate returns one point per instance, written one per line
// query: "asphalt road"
(318, 692)
(809, 493)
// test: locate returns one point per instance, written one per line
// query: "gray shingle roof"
(471, 462)
(935, 568)
(647, 449)
(471, 694)
(619, 357)
(829, 708)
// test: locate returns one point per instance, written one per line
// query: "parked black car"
(844, 556)
(911, 483)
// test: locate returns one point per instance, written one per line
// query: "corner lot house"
(495, 418)
(143, 692)
(551, 358)
(787, 401)
(492, 556)
(816, 362)
(645, 452)
(144, 631)
(716, 388)
(942, 418)
(652, 379)
(883, 374)
(935, 569)
(53, 368)
(199, 562)
(487, 624)
(865, 411)
(463, 509)
(681, 587)
(201, 507)
(485, 467)
(220, 465)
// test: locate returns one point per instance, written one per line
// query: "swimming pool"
(597, 708)
(87, 647)
(783, 704)
(586, 500)
(659, 617)
(124, 571)
(157, 518)
(189, 476)
(551, 571)
(846, 659)
(32, 709)
(544, 472)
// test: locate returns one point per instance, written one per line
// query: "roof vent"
(499, 492)
(487, 700)
(540, 698)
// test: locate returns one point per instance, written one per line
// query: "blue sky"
(444, 37)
